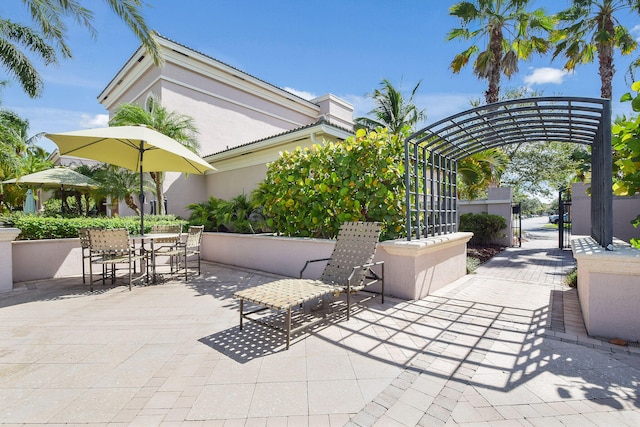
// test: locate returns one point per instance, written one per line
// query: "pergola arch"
(432, 155)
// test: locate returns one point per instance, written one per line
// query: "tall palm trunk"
(495, 45)
(157, 180)
(130, 202)
(605, 55)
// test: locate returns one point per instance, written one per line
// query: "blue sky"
(343, 47)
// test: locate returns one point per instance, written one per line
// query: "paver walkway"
(505, 346)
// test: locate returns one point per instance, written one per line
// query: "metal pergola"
(432, 155)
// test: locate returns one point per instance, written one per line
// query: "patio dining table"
(151, 238)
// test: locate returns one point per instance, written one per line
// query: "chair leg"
(90, 276)
(288, 327)
(186, 266)
(83, 273)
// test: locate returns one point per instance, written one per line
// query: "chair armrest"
(309, 262)
(367, 266)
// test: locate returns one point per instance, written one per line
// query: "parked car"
(553, 219)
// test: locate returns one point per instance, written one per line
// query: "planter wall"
(412, 269)
(44, 259)
(608, 288)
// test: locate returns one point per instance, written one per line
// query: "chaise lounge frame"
(349, 269)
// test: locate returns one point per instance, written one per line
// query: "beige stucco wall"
(498, 203)
(625, 209)
(44, 259)
(231, 183)
(227, 117)
(412, 269)
(608, 288)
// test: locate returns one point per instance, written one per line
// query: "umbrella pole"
(141, 191)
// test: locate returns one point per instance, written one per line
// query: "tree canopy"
(47, 37)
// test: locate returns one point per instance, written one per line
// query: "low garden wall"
(608, 288)
(412, 269)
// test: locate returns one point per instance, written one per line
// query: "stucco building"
(243, 121)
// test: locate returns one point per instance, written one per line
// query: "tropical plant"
(18, 155)
(205, 213)
(477, 171)
(48, 37)
(178, 126)
(119, 184)
(589, 28)
(510, 33)
(312, 191)
(392, 110)
(626, 154)
(237, 215)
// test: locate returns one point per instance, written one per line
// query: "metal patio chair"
(113, 247)
(348, 270)
(165, 247)
(184, 251)
(85, 247)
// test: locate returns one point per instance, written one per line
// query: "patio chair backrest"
(194, 237)
(355, 245)
(83, 234)
(114, 240)
(166, 228)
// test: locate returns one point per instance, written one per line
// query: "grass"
(572, 278)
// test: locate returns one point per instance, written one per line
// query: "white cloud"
(94, 121)
(546, 75)
(301, 93)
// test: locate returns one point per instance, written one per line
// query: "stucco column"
(7, 235)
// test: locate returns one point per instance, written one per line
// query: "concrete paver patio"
(505, 346)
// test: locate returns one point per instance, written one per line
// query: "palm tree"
(48, 37)
(119, 184)
(589, 27)
(477, 171)
(15, 39)
(509, 32)
(392, 110)
(180, 127)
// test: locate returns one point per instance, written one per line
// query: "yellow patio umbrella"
(137, 148)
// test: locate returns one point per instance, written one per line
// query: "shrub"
(237, 215)
(35, 227)
(572, 278)
(472, 264)
(486, 228)
(310, 192)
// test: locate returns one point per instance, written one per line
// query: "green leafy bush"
(237, 215)
(626, 153)
(35, 227)
(572, 278)
(311, 191)
(486, 228)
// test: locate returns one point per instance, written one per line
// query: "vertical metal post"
(425, 193)
(407, 185)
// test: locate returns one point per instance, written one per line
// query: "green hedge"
(35, 227)
(310, 192)
(486, 228)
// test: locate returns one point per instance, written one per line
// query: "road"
(534, 228)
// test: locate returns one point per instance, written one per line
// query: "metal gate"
(564, 219)
(516, 224)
